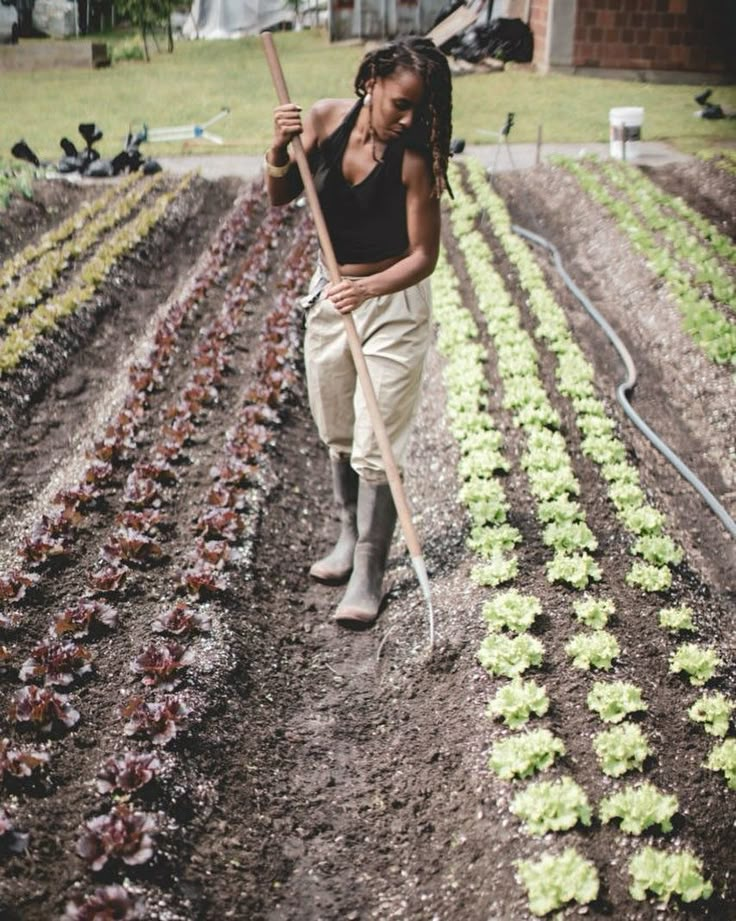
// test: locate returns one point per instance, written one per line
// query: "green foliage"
(593, 650)
(639, 808)
(552, 806)
(714, 711)
(620, 749)
(509, 656)
(523, 754)
(517, 700)
(512, 611)
(554, 880)
(649, 578)
(576, 569)
(723, 758)
(594, 612)
(676, 619)
(658, 549)
(666, 874)
(614, 700)
(498, 569)
(698, 662)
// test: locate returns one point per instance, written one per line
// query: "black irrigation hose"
(628, 385)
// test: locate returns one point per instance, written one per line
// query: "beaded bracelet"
(278, 172)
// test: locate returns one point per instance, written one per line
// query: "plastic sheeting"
(57, 18)
(233, 18)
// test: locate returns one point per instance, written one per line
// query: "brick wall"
(686, 35)
(538, 17)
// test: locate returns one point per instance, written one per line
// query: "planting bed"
(158, 455)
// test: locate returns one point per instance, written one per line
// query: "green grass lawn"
(201, 77)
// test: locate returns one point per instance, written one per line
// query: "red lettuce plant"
(19, 763)
(235, 472)
(202, 579)
(216, 552)
(158, 469)
(78, 497)
(79, 618)
(50, 537)
(10, 839)
(98, 472)
(158, 721)
(121, 834)
(132, 546)
(223, 496)
(144, 378)
(57, 662)
(128, 772)
(219, 524)
(42, 708)
(182, 620)
(141, 492)
(161, 663)
(146, 520)
(108, 577)
(108, 903)
(14, 584)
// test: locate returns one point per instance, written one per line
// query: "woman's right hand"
(287, 124)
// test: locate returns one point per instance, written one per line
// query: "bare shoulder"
(416, 168)
(328, 113)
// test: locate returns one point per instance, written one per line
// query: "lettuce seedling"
(57, 661)
(714, 712)
(158, 721)
(106, 902)
(496, 570)
(182, 620)
(699, 663)
(575, 569)
(593, 650)
(128, 772)
(161, 663)
(515, 702)
(20, 763)
(665, 875)
(649, 578)
(42, 708)
(121, 834)
(552, 806)
(15, 583)
(511, 610)
(639, 807)
(676, 619)
(78, 619)
(522, 755)
(554, 880)
(614, 700)
(594, 612)
(723, 758)
(509, 656)
(620, 749)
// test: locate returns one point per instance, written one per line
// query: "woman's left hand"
(347, 294)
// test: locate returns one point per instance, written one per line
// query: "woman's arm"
(423, 227)
(287, 123)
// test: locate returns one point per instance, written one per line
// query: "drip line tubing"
(628, 385)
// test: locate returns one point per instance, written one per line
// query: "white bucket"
(625, 132)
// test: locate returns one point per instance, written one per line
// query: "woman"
(380, 166)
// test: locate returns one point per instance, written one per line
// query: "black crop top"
(366, 221)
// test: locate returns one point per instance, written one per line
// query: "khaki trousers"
(395, 332)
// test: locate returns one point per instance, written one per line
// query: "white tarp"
(57, 18)
(232, 18)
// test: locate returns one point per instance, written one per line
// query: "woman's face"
(396, 99)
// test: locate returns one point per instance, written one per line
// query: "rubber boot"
(335, 568)
(376, 521)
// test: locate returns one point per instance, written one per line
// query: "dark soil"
(335, 774)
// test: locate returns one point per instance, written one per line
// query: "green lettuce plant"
(594, 612)
(593, 650)
(699, 663)
(723, 758)
(620, 749)
(714, 712)
(614, 700)
(515, 702)
(511, 610)
(509, 656)
(639, 807)
(667, 874)
(525, 753)
(552, 806)
(555, 880)
(676, 619)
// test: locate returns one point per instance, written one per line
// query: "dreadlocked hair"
(433, 123)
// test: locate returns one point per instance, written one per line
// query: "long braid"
(421, 56)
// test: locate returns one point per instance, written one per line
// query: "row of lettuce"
(189, 633)
(512, 651)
